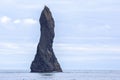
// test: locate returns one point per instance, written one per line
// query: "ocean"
(67, 75)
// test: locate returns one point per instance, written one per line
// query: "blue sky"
(87, 33)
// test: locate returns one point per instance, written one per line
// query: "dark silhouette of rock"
(45, 60)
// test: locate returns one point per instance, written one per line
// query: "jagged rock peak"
(45, 59)
(46, 11)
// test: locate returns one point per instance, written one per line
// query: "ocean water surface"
(67, 75)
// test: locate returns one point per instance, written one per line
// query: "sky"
(87, 35)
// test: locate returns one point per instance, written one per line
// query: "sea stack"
(45, 59)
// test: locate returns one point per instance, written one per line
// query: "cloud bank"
(8, 20)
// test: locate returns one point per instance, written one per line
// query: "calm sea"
(67, 75)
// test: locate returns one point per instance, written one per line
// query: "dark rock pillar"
(45, 60)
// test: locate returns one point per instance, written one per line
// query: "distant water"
(68, 75)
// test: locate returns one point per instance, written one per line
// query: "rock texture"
(45, 60)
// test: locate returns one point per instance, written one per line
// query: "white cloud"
(88, 38)
(5, 20)
(16, 48)
(107, 26)
(87, 48)
(8, 45)
(29, 21)
(17, 21)
(26, 21)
